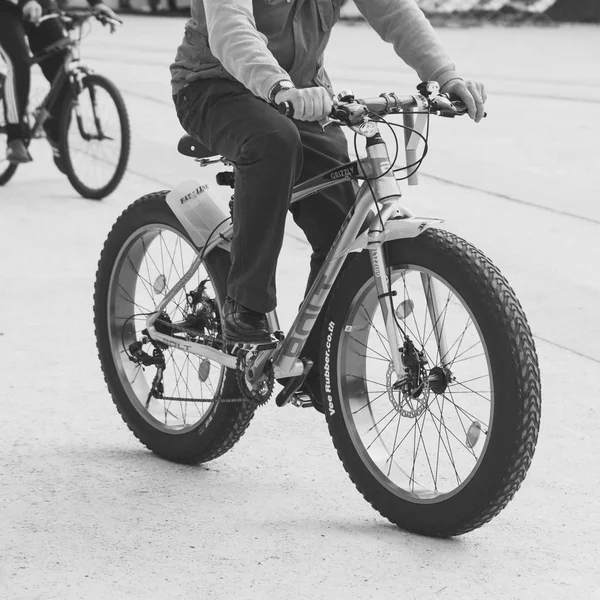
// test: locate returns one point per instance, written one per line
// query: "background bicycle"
(93, 132)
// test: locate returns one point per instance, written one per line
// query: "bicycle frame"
(379, 194)
(70, 71)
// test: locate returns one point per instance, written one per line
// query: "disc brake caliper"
(414, 362)
(413, 387)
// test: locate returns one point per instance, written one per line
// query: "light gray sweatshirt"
(253, 40)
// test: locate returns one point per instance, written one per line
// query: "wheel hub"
(438, 380)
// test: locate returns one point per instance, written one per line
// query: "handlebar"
(73, 19)
(349, 110)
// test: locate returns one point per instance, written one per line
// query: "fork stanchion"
(410, 145)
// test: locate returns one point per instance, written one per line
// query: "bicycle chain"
(249, 397)
(215, 400)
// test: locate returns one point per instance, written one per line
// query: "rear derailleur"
(139, 356)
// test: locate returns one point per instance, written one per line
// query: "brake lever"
(105, 19)
(449, 105)
(461, 107)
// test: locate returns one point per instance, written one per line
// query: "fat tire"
(514, 371)
(64, 123)
(7, 173)
(213, 436)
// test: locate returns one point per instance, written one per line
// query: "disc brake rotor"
(403, 400)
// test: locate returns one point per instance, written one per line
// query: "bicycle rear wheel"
(7, 169)
(95, 138)
(443, 449)
(145, 254)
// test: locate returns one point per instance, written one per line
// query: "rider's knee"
(279, 146)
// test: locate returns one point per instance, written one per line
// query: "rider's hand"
(310, 104)
(32, 11)
(471, 93)
(104, 10)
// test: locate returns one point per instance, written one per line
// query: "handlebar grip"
(286, 109)
(461, 107)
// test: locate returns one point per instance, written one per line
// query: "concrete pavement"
(87, 512)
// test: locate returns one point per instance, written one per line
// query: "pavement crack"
(512, 199)
(567, 349)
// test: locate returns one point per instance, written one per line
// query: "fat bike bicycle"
(94, 138)
(429, 376)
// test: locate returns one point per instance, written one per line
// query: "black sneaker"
(244, 326)
(53, 141)
(17, 153)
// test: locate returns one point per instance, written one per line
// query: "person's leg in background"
(40, 37)
(14, 51)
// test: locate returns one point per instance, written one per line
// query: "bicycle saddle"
(189, 146)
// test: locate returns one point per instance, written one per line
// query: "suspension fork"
(89, 136)
(435, 314)
(380, 270)
(388, 194)
(95, 113)
(77, 75)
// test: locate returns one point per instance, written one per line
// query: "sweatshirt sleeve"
(403, 24)
(242, 50)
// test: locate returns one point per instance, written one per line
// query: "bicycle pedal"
(236, 347)
(301, 400)
(292, 385)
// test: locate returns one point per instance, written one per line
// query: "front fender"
(395, 229)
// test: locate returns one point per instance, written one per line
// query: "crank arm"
(293, 384)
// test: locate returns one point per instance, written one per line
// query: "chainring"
(261, 394)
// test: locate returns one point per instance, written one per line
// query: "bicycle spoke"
(384, 341)
(425, 437)
(371, 349)
(463, 410)
(370, 402)
(468, 389)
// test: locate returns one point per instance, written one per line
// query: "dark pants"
(271, 153)
(15, 52)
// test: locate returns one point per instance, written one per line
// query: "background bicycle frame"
(71, 70)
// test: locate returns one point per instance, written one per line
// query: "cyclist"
(237, 58)
(18, 21)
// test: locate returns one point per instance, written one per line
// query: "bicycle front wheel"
(95, 138)
(441, 449)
